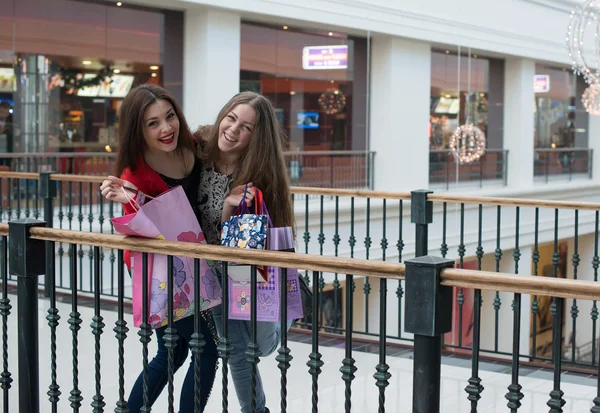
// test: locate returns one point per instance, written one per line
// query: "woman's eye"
(152, 124)
(230, 117)
(170, 115)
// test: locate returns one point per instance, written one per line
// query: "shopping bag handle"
(260, 207)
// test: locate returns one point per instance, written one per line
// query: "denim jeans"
(240, 335)
(158, 368)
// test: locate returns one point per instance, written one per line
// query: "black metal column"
(48, 193)
(27, 262)
(428, 317)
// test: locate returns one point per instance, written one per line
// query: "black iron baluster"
(315, 363)
(284, 357)
(352, 239)
(2, 200)
(253, 351)
(556, 401)
(400, 246)
(382, 375)
(36, 191)
(224, 344)
(384, 241)
(111, 257)
(18, 212)
(101, 222)
(534, 305)
(595, 265)
(348, 368)
(574, 309)
(5, 307)
(461, 257)
(321, 281)
(444, 247)
(145, 333)
(121, 331)
(27, 197)
(53, 319)
(336, 282)
(514, 394)
(474, 389)
(91, 251)
(170, 338)
(71, 195)
(497, 257)
(80, 252)
(367, 284)
(197, 342)
(97, 329)
(75, 325)
(306, 236)
(61, 215)
(10, 200)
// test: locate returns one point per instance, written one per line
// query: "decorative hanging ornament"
(332, 101)
(467, 143)
(584, 25)
(591, 99)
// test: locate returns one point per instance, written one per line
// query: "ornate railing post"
(27, 263)
(421, 214)
(428, 317)
(48, 193)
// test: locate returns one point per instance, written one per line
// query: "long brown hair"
(132, 144)
(262, 162)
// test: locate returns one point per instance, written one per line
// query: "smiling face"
(161, 127)
(236, 129)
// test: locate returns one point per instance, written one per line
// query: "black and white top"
(213, 190)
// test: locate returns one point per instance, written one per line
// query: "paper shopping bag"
(169, 216)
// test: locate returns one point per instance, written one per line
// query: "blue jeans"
(158, 368)
(240, 335)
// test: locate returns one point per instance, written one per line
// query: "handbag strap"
(260, 207)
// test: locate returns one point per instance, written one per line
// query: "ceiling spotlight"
(292, 92)
(117, 71)
(86, 62)
(154, 75)
(331, 33)
(119, 4)
(285, 27)
(153, 67)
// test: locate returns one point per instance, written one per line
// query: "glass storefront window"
(71, 65)
(317, 81)
(560, 119)
(449, 97)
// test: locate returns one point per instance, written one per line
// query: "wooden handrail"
(3, 229)
(536, 203)
(523, 284)
(377, 269)
(299, 190)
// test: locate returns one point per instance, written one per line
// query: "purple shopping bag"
(169, 216)
(268, 293)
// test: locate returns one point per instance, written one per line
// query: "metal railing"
(444, 172)
(429, 285)
(322, 169)
(563, 163)
(493, 234)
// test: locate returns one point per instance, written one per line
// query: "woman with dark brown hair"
(158, 152)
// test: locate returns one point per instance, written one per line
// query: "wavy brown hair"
(262, 162)
(132, 144)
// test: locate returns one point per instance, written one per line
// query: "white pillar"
(211, 72)
(518, 120)
(400, 100)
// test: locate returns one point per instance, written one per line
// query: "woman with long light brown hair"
(245, 146)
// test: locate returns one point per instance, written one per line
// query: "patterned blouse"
(213, 190)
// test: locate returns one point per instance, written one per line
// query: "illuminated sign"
(325, 57)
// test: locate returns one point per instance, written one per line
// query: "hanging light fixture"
(332, 101)
(591, 99)
(467, 143)
(584, 24)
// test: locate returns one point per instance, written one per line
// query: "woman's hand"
(234, 198)
(111, 190)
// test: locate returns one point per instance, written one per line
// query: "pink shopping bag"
(169, 216)
(268, 293)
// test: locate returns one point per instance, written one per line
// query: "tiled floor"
(537, 384)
